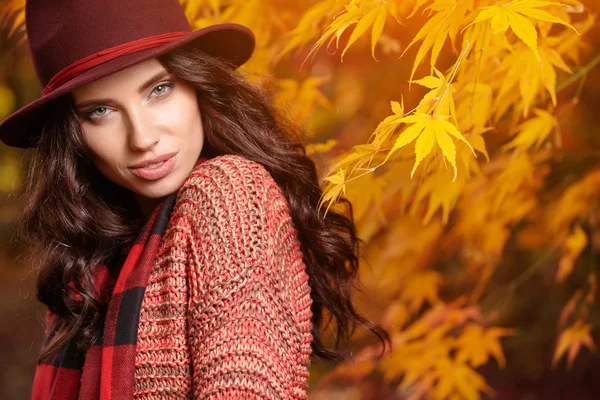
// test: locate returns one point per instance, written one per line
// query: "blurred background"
(482, 260)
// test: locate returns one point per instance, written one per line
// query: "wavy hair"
(74, 218)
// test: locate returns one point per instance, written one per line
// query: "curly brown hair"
(74, 218)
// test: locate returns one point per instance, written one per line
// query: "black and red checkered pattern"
(106, 370)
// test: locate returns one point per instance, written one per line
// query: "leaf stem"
(368, 171)
(582, 72)
(508, 290)
(448, 82)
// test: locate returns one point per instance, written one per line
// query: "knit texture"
(226, 312)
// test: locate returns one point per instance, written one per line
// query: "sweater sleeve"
(249, 299)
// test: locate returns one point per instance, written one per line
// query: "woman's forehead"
(135, 77)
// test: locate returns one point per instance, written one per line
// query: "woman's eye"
(163, 88)
(94, 112)
(101, 112)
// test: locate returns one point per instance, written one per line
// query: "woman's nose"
(142, 134)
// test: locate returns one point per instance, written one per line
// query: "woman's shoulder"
(232, 203)
(227, 172)
(230, 184)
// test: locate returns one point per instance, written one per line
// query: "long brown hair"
(74, 218)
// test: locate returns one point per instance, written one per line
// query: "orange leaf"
(476, 345)
(571, 340)
(574, 245)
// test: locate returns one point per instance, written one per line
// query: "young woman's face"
(134, 116)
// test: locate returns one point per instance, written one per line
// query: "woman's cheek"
(169, 114)
(106, 146)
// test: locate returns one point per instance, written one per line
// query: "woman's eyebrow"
(141, 89)
(153, 79)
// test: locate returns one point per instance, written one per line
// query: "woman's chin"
(157, 190)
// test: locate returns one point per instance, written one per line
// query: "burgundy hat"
(74, 42)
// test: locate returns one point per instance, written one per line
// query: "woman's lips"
(158, 172)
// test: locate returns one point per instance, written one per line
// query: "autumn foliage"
(454, 127)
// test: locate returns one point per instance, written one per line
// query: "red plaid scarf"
(106, 370)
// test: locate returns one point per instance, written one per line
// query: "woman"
(181, 250)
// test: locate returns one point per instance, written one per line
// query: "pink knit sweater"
(226, 314)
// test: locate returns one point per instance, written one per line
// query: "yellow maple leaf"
(521, 67)
(426, 353)
(388, 126)
(415, 357)
(574, 203)
(514, 14)
(364, 153)
(263, 17)
(506, 184)
(420, 288)
(475, 345)
(473, 109)
(593, 284)
(457, 380)
(365, 193)
(300, 99)
(337, 186)
(438, 98)
(396, 315)
(476, 139)
(574, 245)
(441, 193)
(570, 308)
(445, 23)
(363, 14)
(309, 26)
(358, 156)
(193, 8)
(533, 132)
(320, 147)
(568, 43)
(571, 340)
(429, 129)
(12, 17)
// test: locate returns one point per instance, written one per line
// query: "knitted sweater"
(226, 313)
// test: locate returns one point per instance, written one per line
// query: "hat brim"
(230, 41)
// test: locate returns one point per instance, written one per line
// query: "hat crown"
(62, 32)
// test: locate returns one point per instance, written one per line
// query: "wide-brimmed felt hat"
(75, 42)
